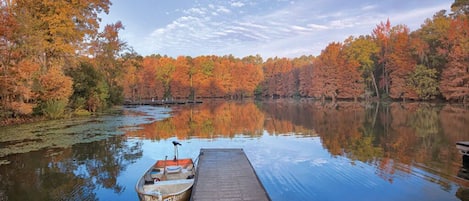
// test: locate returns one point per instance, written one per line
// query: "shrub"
(54, 109)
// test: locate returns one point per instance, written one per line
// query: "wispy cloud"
(270, 28)
(368, 7)
(317, 26)
(417, 13)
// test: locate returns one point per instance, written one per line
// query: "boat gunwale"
(139, 192)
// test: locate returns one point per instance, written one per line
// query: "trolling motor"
(176, 154)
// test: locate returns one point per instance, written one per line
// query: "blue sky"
(283, 28)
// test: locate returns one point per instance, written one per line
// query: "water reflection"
(393, 137)
(300, 149)
(216, 119)
(73, 173)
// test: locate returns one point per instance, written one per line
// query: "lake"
(300, 149)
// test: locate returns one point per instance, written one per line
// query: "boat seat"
(173, 169)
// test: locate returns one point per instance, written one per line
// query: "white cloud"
(237, 4)
(299, 28)
(342, 24)
(200, 11)
(276, 28)
(223, 9)
(368, 7)
(252, 25)
(317, 26)
(420, 13)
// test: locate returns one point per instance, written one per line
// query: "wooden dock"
(161, 102)
(226, 174)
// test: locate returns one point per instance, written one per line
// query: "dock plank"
(226, 174)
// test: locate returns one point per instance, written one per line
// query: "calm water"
(301, 150)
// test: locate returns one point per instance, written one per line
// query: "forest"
(55, 60)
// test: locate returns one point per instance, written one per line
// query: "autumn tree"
(460, 7)
(149, 86)
(164, 69)
(131, 64)
(202, 75)
(454, 83)
(181, 77)
(18, 88)
(326, 72)
(45, 36)
(279, 78)
(305, 77)
(428, 41)
(362, 50)
(401, 63)
(381, 34)
(106, 49)
(52, 30)
(247, 77)
(424, 81)
(223, 74)
(55, 90)
(91, 91)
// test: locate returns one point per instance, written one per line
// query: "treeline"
(395, 63)
(160, 77)
(54, 58)
(390, 63)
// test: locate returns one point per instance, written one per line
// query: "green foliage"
(85, 78)
(363, 149)
(425, 121)
(460, 7)
(98, 98)
(54, 109)
(363, 50)
(207, 67)
(82, 112)
(425, 82)
(433, 32)
(116, 96)
(78, 103)
(90, 90)
(258, 91)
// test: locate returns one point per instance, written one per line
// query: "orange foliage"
(180, 79)
(204, 76)
(326, 72)
(279, 78)
(381, 35)
(130, 80)
(401, 64)
(454, 83)
(149, 86)
(55, 85)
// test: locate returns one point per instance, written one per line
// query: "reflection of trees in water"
(400, 136)
(391, 136)
(206, 121)
(104, 161)
(68, 174)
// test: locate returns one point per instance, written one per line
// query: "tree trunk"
(374, 84)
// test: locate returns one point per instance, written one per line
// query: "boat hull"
(164, 190)
(167, 180)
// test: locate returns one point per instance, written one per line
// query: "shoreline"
(19, 120)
